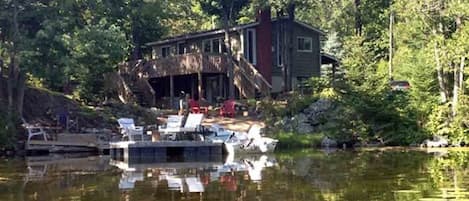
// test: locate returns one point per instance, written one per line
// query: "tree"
(228, 11)
(95, 50)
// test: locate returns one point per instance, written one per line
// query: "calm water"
(299, 175)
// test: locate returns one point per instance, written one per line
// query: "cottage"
(270, 56)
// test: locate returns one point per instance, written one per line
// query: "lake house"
(269, 56)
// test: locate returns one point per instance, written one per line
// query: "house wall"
(195, 45)
(304, 64)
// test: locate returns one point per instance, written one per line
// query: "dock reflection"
(195, 177)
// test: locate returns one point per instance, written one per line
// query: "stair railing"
(256, 78)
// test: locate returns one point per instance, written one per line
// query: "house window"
(182, 48)
(207, 45)
(216, 46)
(213, 46)
(250, 47)
(305, 44)
(165, 51)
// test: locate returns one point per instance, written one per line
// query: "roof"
(219, 31)
(200, 34)
(328, 58)
(310, 27)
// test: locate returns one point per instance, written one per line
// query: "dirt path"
(239, 123)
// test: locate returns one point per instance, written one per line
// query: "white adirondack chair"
(174, 123)
(128, 129)
(34, 130)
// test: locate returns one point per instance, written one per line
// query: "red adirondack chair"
(228, 108)
(195, 107)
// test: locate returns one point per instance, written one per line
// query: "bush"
(7, 131)
(291, 140)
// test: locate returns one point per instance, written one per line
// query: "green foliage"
(7, 130)
(95, 50)
(290, 140)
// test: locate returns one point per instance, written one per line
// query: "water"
(300, 175)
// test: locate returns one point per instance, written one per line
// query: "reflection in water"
(193, 177)
(402, 175)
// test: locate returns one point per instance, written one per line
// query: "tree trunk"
(136, 52)
(461, 74)
(1, 66)
(231, 87)
(391, 40)
(289, 44)
(11, 84)
(20, 88)
(463, 59)
(2, 96)
(358, 18)
(440, 73)
(454, 104)
(15, 79)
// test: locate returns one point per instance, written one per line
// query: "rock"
(307, 121)
(438, 141)
(302, 124)
(304, 128)
(327, 142)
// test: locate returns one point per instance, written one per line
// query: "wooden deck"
(70, 142)
(185, 64)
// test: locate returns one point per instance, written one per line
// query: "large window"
(216, 46)
(165, 51)
(249, 40)
(305, 44)
(213, 45)
(207, 45)
(182, 49)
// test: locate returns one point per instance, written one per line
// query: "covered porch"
(208, 87)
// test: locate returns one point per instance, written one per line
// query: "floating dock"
(70, 142)
(165, 151)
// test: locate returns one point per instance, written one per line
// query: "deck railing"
(246, 77)
(179, 65)
(259, 82)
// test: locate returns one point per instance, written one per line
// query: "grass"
(290, 140)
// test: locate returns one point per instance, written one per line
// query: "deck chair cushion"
(193, 121)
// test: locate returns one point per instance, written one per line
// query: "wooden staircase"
(249, 81)
(141, 91)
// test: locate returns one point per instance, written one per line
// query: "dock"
(165, 151)
(70, 142)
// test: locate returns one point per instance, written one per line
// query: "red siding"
(264, 44)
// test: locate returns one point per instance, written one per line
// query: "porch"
(159, 82)
(200, 86)
(184, 64)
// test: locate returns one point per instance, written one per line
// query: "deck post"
(171, 91)
(199, 79)
(221, 85)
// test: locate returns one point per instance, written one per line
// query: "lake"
(395, 174)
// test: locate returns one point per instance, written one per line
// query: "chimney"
(263, 15)
(264, 43)
(291, 11)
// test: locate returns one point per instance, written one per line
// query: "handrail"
(254, 72)
(127, 92)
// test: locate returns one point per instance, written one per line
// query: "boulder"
(327, 142)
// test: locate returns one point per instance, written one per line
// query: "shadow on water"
(298, 175)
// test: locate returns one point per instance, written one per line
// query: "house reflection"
(195, 177)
